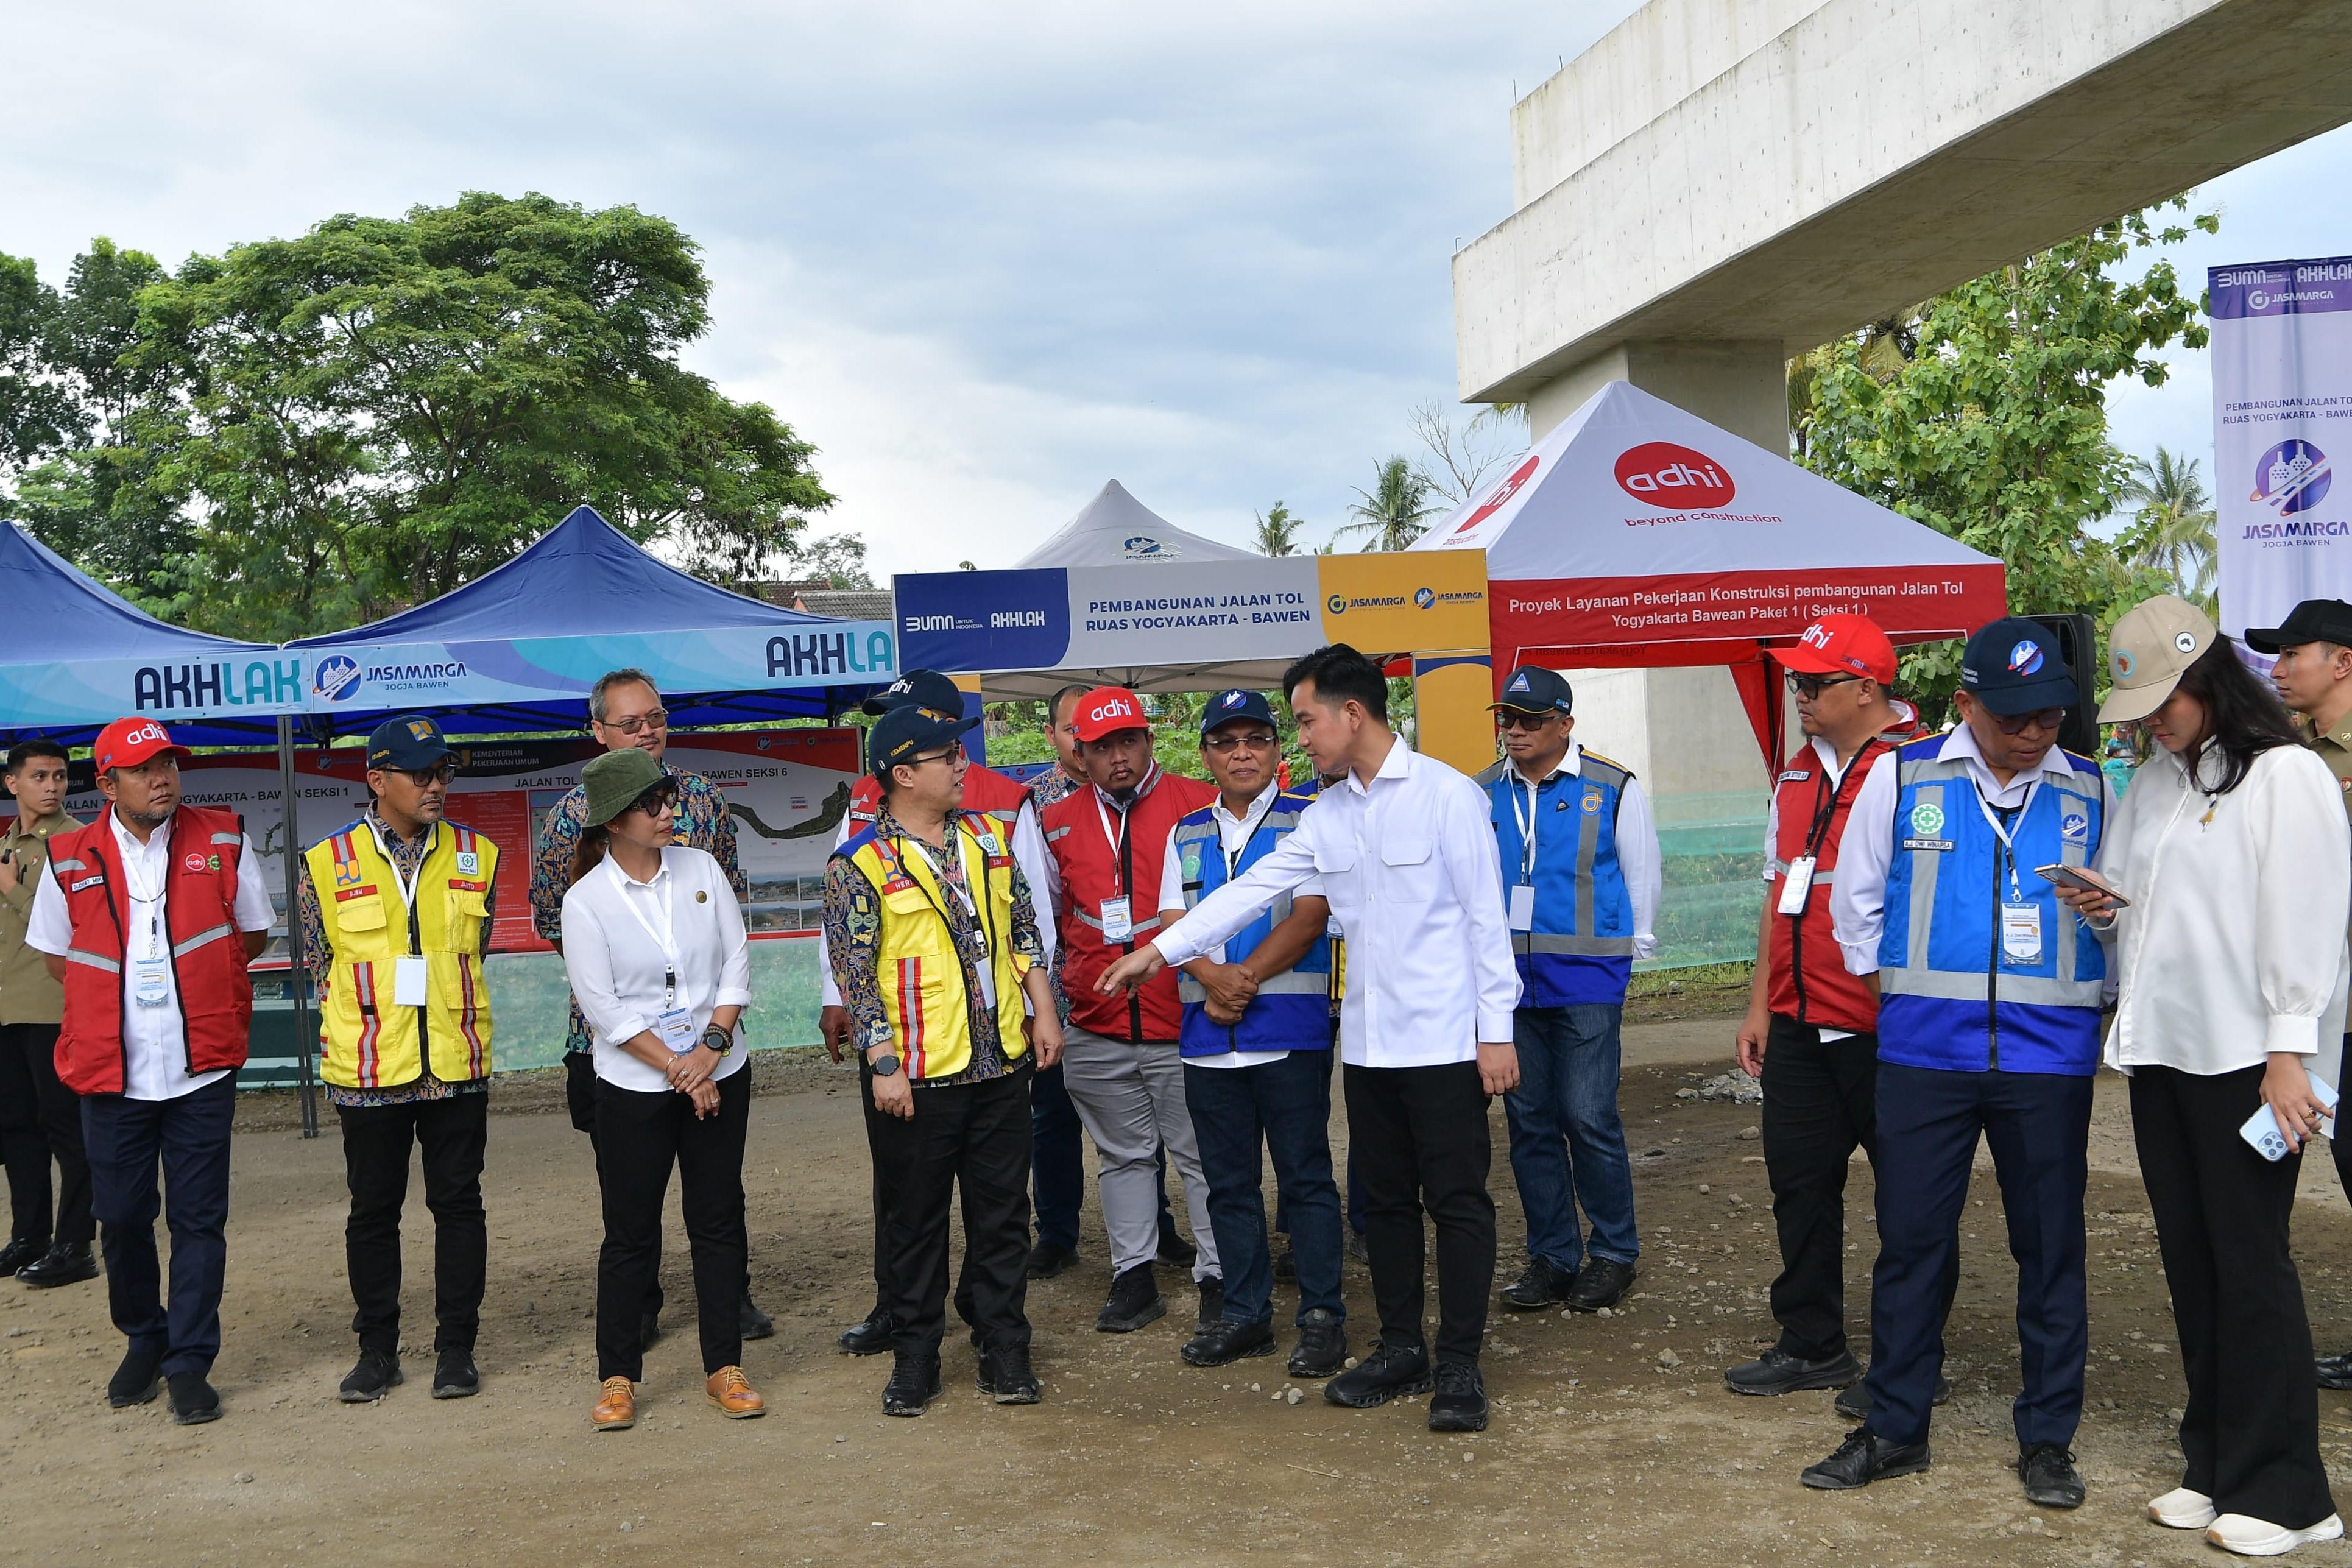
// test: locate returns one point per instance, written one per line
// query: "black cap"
(1227, 706)
(2013, 666)
(2313, 620)
(923, 689)
(907, 730)
(1535, 689)
(411, 741)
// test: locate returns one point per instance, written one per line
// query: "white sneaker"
(2182, 1509)
(2260, 1537)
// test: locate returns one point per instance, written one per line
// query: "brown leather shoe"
(617, 1405)
(732, 1392)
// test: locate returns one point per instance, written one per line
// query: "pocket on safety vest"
(364, 913)
(465, 911)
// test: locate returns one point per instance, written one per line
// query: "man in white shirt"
(1406, 856)
(140, 914)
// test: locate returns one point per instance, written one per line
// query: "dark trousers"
(1568, 1142)
(2039, 1126)
(450, 1133)
(1419, 1136)
(1285, 1106)
(1820, 1104)
(126, 1141)
(639, 1137)
(40, 1120)
(580, 1099)
(974, 1136)
(1057, 1164)
(2250, 1430)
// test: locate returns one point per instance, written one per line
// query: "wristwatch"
(718, 1039)
(884, 1066)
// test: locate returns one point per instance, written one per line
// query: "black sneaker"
(377, 1374)
(1212, 1302)
(870, 1335)
(1004, 1374)
(66, 1263)
(1175, 1252)
(1545, 1284)
(1322, 1347)
(21, 1250)
(1776, 1372)
(455, 1376)
(1135, 1301)
(1460, 1403)
(135, 1381)
(1383, 1375)
(1221, 1342)
(1357, 1249)
(2048, 1472)
(194, 1403)
(1599, 1283)
(1286, 1264)
(2335, 1371)
(1854, 1402)
(751, 1322)
(914, 1383)
(1048, 1258)
(1864, 1457)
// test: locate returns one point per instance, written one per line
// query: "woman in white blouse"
(654, 944)
(2232, 849)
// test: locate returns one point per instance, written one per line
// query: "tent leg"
(296, 979)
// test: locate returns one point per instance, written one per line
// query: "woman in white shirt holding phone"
(2233, 850)
(653, 942)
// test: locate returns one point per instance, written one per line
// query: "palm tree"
(2174, 530)
(1395, 510)
(1277, 531)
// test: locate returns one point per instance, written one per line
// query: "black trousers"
(1820, 1104)
(2250, 1430)
(451, 1134)
(1417, 1137)
(639, 1138)
(40, 1120)
(975, 1136)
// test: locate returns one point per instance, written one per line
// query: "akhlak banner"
(2282, 420)
(236, 683)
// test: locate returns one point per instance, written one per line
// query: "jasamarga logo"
(2292, 476)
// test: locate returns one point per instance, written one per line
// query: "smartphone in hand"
(2068, 876)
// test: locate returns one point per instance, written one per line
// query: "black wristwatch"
(884, 1066)
(718, 1039)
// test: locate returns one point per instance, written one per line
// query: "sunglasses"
(636, 723)
(2047, 718)
(1224, 743)
(1811, 686)
(425, 778)
(657, 799)
(1509, 719)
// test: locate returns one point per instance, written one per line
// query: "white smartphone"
(2073, 878)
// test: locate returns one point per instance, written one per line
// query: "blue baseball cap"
(907, 730)
(412, 742)
(1227, 706)
(1535, 689)
(2013, 666)
(922, 688)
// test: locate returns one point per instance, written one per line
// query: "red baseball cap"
(127, 743)
(1107, 710)
(1842, 644)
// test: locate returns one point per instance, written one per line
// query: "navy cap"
(1535, 689)
(411, 741)
(1227, 706)
(922, 687)
(907, 730)
(2013, 666)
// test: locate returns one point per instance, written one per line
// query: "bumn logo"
(2292, 476)
(1674, 477)
(1503, 493)
(337, 677)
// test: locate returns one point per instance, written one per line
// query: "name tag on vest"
(1795, 775)
(1928, 844)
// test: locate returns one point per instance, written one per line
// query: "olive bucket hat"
(616, 779)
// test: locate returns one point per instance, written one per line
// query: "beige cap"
(2146, 652)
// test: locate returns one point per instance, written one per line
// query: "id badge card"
(675, 1029)
(1523, 907)
(408, 983)
(2021, 932)
(1796, 886)
(151, 981)
(1117, 920)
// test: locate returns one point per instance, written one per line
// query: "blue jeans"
(1567, 1146)
(125, 1139)
(1288, 1104)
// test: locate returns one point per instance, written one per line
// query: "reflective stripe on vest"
(1292, 1010)
(927, 995)
(1581, 947)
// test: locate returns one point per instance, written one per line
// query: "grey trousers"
(1131, 1100)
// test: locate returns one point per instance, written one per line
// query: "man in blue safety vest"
(1989, 991)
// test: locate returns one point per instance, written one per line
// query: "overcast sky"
(985, 257)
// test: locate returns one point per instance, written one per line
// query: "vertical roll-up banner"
(2282, 362)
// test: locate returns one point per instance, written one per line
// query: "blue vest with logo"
(1292, 1011)
(1581, 947)
(1951, 994)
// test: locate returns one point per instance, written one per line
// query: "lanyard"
(666, 939)
(1233, 856)
(1114, 838)
(1826, 797)
(1992, 820)
(405, 883)
(1526, 823)
(133, 869)
(985, 934)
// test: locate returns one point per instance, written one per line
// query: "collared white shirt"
(1408, 866)
(154, 1040)
(1233, 835)
(1858, 899)
(1639, 860)
(612, 927)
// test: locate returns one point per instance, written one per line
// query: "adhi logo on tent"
(1503, 493)
(1664, 473)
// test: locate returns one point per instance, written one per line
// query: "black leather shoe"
(1460, 1403)
(870, 1336)
(1135, 1301)
(753, 1324)
(65, 1264)
(20, 1251)
(1776, 1372)
(1212, 1302)
(2048, 1472)
(914, 1383)
(1221, 1342)
(1545, 1284)
(1322, 1347)
(1864, 1457)
(1599, 1283)
(1286, 1264)
(377, 1374)
(2335, 1371)
(1854, 1402)
(1004, 1376)
(134, 1381)
(1175, 1252)
(194, 1403)
(455, 1376)
(1048, 1258)
(648, 1330)
(1383, 1375)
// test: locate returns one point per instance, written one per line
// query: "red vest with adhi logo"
(986, 792)
(1091, 873)
(206, 951)
(1809, 983)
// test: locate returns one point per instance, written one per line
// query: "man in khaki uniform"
(40, 1118)
(2314, 677)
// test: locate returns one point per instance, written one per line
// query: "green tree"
(838, 558)
(1277, 531)
(37, 418)
(2173, 529)
(1395, 511)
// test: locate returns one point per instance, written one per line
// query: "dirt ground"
(1613, 1440)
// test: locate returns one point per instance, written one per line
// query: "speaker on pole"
(2078, 644)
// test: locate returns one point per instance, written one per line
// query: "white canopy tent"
(1117, 529)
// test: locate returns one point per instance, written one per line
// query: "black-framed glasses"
(425, 778)
(2046, 719)
(656, 798)
(1809, 686)
(638, 722)
(1224, 742)
(1513, 718)
(953, 755)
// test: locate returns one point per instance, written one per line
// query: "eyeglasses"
(1508, 719)
(1811, 686)
(657, 799)
(1223, 742)
(951, 756)
(425, 778)
(636, 723)
(2047, 718)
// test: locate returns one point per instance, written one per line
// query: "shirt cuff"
(1494, 1028)
(1176, 949)
(2290, 1033)
(1645, 946)
(734, 995)
(628, 1027)
(1862, 959)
